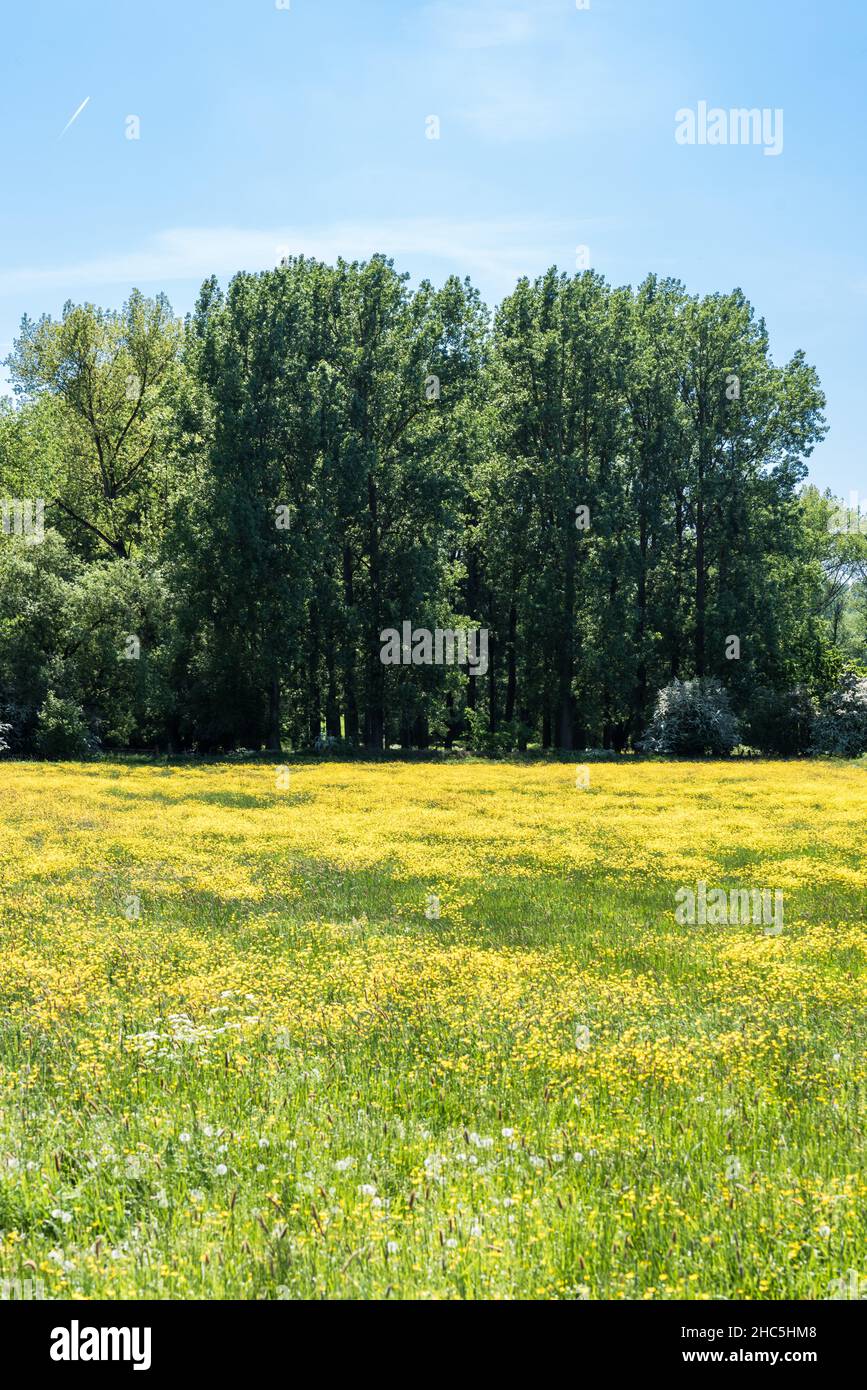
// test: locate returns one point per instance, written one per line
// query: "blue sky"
(304, 128)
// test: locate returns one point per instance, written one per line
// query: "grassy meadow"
(430, 1030)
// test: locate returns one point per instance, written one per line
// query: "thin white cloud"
(489, 23)
(480, 26)
(496, 250)
(546, 77)
(514, 109)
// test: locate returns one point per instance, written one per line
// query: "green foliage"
(607, 481)
(93, 639)
(778, 722)
(61, 729)
(99, 384)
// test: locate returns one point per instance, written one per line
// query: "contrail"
(73, 118)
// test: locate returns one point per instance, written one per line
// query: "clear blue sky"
(303, 129)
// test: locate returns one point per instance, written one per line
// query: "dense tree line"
(608, 482)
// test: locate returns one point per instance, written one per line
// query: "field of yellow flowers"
(430, 1030)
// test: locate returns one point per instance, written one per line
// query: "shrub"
(62, 730)
(840, 727)
(692, 717)
(778, 721)
(510, 735)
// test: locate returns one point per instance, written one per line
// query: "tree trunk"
(700, 588)
(274, 738)
(639, 689)
(511, 664)
(493, 707)
(565, 703)
(375, 716)
(349, 681)
(332, 707)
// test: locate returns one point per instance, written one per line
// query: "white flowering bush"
(840, 727)
(693, 718)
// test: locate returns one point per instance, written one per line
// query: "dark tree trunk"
(349, 681)
(451, 723)
(565, 703)
(332, 709)
(675, 628)
(700, 588)
(639, 689)
(511, 664)
(374, 728)
(375, 716)
(274, 738)
(524, 720)
(493, 703)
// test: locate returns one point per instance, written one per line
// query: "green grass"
(356, 1101)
